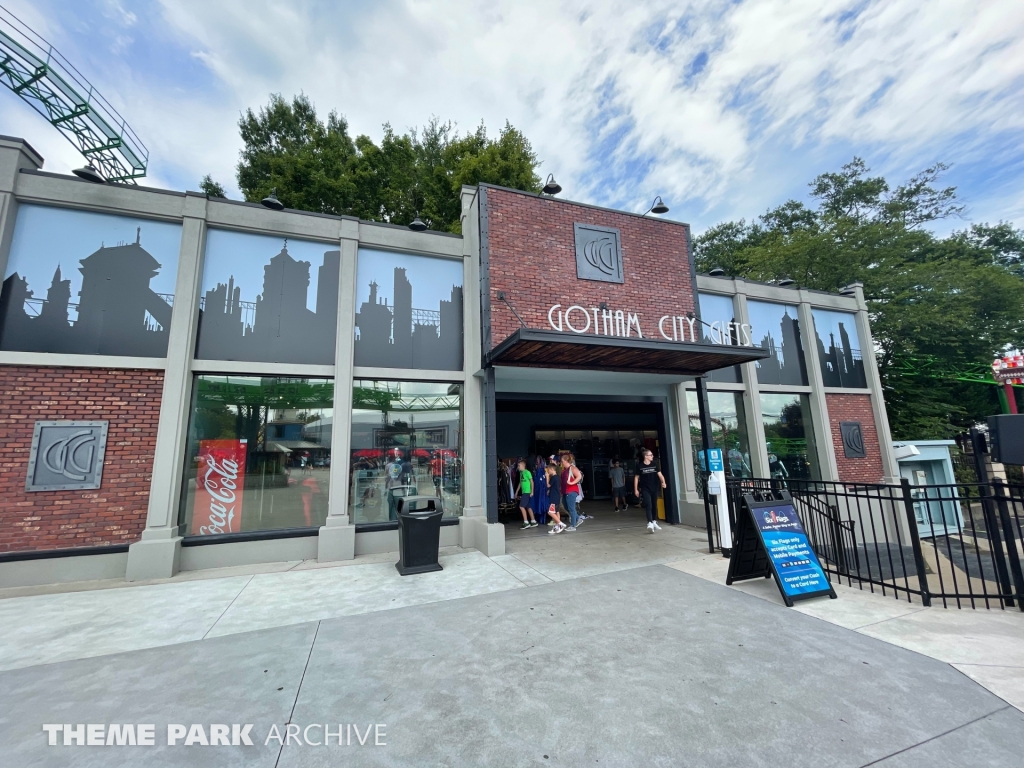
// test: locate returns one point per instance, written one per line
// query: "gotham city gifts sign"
(771, 541)
(604, 321)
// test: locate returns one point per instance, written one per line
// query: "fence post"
(915, 541)
(1010, 537)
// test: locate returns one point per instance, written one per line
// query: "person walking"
(524, 490)
(571, 477)
(647, 484)
(554, 495)
(617, 475)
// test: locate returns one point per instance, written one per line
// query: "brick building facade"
(116, 512)
(533, 262)
(309, 428)
(855, 408)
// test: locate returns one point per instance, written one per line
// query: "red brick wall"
(855, 408)
(532, 248)
(116, 512)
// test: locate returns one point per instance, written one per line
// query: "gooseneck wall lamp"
(658, 208)
(89, 173)
(551, 187)
(417, 224)
(271, 201)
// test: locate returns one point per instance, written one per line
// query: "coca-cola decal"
(220, 478)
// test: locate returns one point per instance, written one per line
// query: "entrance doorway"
(598, 431)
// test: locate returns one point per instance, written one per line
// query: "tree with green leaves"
(317, 166)
(937, 305)
(211, 187)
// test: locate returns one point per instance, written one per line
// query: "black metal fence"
(959, 544)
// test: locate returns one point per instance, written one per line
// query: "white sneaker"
(655, 524)
(650, 527)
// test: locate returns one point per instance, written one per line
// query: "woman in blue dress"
(540, 496)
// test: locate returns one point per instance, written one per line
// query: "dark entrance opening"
(597, 430)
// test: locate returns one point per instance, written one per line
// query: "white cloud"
(722, 108)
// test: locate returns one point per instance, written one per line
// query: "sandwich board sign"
(771, 541)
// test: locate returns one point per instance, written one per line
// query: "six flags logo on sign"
(1009, 369)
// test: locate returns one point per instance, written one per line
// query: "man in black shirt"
(647, 483)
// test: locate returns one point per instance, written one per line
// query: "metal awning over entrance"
(553, 349)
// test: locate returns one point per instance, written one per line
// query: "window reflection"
(406, 441)
(728, 430)
(789, 437)
(258, 456)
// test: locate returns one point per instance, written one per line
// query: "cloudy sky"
(723, 108)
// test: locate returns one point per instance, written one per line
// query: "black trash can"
(419, 534)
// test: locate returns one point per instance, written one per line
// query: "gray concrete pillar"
(337, 538)
(474, 530)
(15, 154)
(158, 553)
(751, 396)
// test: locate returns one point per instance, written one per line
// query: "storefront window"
(268, 299)
(406, 441)
(728, 430)
(259, 454)
(776, 327)
(789, 437)
(87, 283)
(839, 349)
(720, 316)
(409, 311)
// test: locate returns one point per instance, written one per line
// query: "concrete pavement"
(514, 661)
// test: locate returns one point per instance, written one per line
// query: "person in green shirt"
(524, 490)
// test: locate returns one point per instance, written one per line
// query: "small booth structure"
(928, 463)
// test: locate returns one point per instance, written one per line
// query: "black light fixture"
(417, 225)
(847, 290)
(717, 272)
(658, 208)
(271, 201)
(785, 282)
(551, 187)
(89, 173)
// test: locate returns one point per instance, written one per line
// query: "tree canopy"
(938, 305)
(317, 166)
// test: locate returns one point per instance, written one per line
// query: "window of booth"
(406, 441)
(87, 283)
(776, 327)
(789, 436)
(268, 299)
(258, 456)
(839, 348)
(728, 430)
(718, 312)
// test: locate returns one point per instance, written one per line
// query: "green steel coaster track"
(36, 72)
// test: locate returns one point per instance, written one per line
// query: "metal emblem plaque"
(853, 440)
(598, 253)
(66, 456)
